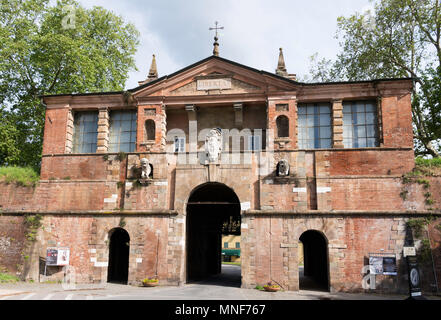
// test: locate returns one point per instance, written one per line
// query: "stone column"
(162, 127)
(69, 132)
(238, 115)
(192, 134)
(103, 130)
(337, 124)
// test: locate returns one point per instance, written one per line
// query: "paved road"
(222, 287)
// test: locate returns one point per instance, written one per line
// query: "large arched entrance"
(213, 211)
(314, 274)
(118, 270)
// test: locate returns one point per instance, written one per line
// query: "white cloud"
(177, 31)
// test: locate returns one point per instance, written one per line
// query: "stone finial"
(153, 73)
(216, 44)
(216, 47)
(281, 68)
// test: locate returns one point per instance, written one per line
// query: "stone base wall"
(269, 245)
(270, 251)
(88, 240)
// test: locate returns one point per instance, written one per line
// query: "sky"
(177, 31)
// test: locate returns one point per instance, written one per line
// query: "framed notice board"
(383, 263)
(57, 256)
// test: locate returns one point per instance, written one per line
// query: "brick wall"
(12, 242)
(270, 251)
(55, 129)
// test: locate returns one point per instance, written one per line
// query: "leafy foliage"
(33, 223)
(400, 39)
(43, 53)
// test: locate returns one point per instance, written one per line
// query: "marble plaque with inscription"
(213, 84)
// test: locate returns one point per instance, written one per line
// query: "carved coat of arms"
(213, 144)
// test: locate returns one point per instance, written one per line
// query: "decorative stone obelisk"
(153, 72)
(281, 68)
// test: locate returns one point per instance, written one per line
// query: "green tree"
(400, 38)
(9, 151)
(55, 49)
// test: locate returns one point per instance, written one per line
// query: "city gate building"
(143, 183)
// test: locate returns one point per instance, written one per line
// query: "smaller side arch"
(119, 250)
(314, 274)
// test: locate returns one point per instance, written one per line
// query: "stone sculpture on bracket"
(213, 144)
(283, 168)
(146, 169)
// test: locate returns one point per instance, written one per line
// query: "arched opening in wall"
(150, 130)
(213, 236)
(314, 273)
(119, 247)
(282, 123)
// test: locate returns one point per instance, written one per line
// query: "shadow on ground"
(230, 277)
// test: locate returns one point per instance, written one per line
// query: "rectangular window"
(314, 126)
(85, 132)
(225, 244)
(360, 129)
(255, 143)
(179, 144)
(122, 133)
(237, 245)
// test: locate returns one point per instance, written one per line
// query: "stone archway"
(213, 210)
(314, 274)
(119, 248)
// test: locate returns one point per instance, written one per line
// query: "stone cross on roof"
(216, 44)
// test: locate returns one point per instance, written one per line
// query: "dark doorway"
(314, 272)
(119, 247)
(213, 210)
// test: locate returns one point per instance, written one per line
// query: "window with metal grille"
(179, 144)
(85, 132)
(314, 126)
(225, 244)
(122, 136)
(237, 245)
(360, 128)
(255, 143)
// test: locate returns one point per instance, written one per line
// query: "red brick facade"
(353, 197)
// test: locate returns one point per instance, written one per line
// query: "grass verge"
(428, 163)
(25, 177)
(7, 278)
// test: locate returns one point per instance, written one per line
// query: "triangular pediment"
(215, 76)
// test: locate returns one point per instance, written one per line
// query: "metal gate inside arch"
(213, 210)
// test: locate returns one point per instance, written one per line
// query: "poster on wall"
(63, 257)
(376, 265)
(390, 266)
(51, 256)
(57, 256)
